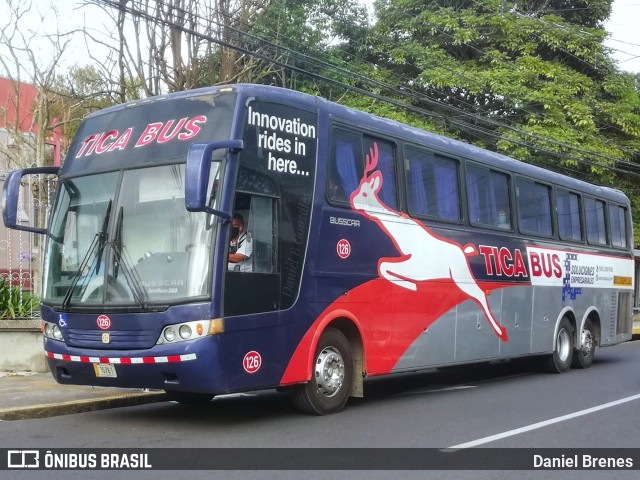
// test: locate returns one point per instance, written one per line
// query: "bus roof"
(391, 128)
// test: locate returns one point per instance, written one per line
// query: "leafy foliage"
(16, 304)
(528, 78)
(299, 35)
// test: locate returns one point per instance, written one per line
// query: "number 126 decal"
(252, 362)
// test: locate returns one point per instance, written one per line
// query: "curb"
(81, 406)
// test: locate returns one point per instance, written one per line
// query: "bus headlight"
(182, 332)
(51, 330)
(185, 332)
(57, 334)
(169, 334)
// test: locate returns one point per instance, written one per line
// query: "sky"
(622, 26)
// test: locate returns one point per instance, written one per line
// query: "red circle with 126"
(252, 362)
(343, 248)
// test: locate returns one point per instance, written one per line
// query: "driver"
(240, 247)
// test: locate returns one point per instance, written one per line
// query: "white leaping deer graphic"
(424, 255)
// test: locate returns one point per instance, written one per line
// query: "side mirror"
(11, 195)
(198, 171)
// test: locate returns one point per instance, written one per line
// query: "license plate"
(105, 370)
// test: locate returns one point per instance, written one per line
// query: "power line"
(478, 131)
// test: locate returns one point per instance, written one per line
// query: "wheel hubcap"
(564, 344)
(329, 371)
(587, 343)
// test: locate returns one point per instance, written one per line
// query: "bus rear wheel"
(583, 357)
(560, 360)
(332, 377)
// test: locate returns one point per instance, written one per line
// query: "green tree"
(82, 90)
(290, 40)
(530, 79)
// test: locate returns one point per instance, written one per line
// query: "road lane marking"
(551, 421)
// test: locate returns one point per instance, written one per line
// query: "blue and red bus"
(373, 248)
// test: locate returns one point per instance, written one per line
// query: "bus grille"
(122, 339)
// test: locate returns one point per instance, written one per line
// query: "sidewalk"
(28, 395)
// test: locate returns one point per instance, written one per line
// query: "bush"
(13, 304)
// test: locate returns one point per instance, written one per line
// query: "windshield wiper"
(102, 236)
(98, 239)
(123, 259)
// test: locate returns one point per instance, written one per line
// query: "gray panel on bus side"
(608, 299)
(547, 304)
(475, 338)
(515, 316)
(434, 347)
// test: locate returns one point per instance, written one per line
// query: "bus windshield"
(138, 248)
(120, 235)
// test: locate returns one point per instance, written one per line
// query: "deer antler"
(371, 159)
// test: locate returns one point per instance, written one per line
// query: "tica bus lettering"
(545, 264)
(500, 261)
(160, 132)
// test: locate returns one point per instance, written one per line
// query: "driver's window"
(252, 262)
(252, 238)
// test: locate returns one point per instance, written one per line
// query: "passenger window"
(346, 166)
(534, 207)
(569, 225)
(386, 166)
(348, 163)
(432, 185)
(617, 215)
(594, 218)
(488, 197)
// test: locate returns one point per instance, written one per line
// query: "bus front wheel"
(560, 360)
(583, 357)
(332, 376)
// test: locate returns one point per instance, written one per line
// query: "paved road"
(507, 405)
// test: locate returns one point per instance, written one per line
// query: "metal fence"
(21, 253)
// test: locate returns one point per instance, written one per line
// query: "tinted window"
(432, 185)
(568, 215)
(534, 207)
(348, 165)
(386, 166)
(617, 216)
(594, 218)
(488, 195)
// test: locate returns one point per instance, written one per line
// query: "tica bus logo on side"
(104, 322)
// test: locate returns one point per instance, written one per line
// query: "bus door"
(253, 287)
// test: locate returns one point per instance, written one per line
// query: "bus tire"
(560, 360)
(189, 398)
(583, 357)
(332, 376)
